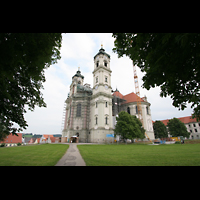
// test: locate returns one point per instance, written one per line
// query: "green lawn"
(141, 155)
(36, 155)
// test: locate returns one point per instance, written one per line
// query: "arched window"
(136, 109)
(147, 108)
(97, 63)
(78, 112)
(128, 110)
(105, 63)
(106, 120)
(106, 104)
(96, 120)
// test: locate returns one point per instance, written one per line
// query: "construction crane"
(137, 91)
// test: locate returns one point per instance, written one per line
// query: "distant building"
(13, 138)
(191, 124)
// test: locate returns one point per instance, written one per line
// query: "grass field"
(141, 155)
(36, 155)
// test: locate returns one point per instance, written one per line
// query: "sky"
(78, 50)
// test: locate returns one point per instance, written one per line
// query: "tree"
(128, 126)
(177, 128)
(160, 130)
(170, 60)
(24, 57)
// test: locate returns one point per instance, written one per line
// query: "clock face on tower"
(106, 87)
(96, 87)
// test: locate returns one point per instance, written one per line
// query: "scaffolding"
(63, 117)
(117, 102)
(77, 120)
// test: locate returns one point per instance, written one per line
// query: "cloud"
(77, 45)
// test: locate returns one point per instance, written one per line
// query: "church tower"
(101, 102)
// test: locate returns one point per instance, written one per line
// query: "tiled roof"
(132, 97)
(118, 94)
(185, 120)
(46, 136)
(12, 138)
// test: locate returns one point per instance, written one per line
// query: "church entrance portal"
(74, 139)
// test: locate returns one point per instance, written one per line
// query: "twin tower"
(89, 110)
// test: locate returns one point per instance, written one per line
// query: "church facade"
(90, 111)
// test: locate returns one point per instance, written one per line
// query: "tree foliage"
(160, 130)
(170, 60)
(24, 57)
(128, 126)
(177, 128)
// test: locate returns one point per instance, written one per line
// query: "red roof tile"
(46, 136)
(185, 120)
(132, 97)
(12, 138)
(118, 94)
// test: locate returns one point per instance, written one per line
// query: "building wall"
(194, 129)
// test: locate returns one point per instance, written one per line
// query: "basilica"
(90, 112)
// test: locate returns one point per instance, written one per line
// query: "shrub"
(2, 145)
(178, 142)
(18, 144)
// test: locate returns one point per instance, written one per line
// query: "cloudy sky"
(78, 50)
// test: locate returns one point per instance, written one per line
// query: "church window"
(106, 79)
(106, 104)
(105, 64)
(97, 63)
(106, 120)
(128, 110)
(136, 109)
(147, 108)
(96, 104)
(70, 109)
(78, 112)
(97, 79)
(96, 120)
